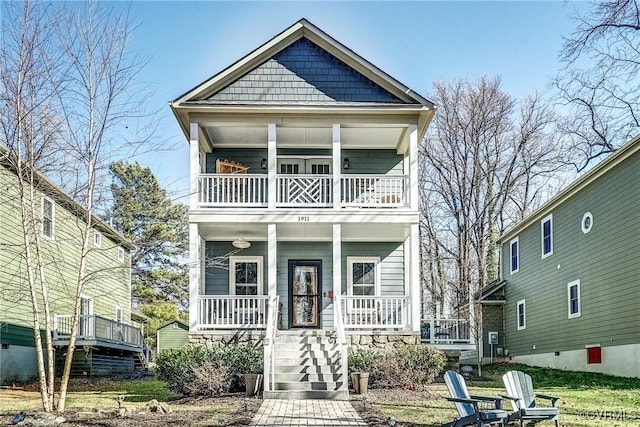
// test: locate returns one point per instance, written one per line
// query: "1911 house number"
(304, 218)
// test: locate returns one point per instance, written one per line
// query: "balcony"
(232, 312)
(98, 331)
(444, 332)
(302, 191)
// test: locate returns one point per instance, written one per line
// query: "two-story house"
(304, 205)
(106, 341)
(569, 291)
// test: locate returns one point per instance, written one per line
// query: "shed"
(172, 335)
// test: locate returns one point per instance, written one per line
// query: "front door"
(304, 289)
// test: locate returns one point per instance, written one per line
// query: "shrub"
(412, 366)
(181, 369)
(365, 360)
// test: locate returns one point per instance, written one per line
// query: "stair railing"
(341, 337)
(269, 344)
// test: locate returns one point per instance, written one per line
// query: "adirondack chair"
(520, 392)
(469, 406)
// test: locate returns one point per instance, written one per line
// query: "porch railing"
(232, 190)
(269, 344)
(304, 190)
(98, 328)
(232, 311)
(445, 331)
(363, 312)
(374, 190)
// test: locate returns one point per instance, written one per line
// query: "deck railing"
(361, 312)
(269, 344)
(374, 190)
(97, 328)
(232, 190)
(232, 311)
(445, 331)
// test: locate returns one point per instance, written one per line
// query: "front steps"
(307, 366)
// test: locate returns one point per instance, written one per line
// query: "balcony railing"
(315, 191)
(445, 331)
(360, 312)
(232, 311)
(97, 328)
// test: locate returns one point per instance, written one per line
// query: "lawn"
(587, 400)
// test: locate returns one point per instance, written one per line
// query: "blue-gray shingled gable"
(304, 72)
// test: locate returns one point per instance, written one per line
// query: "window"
(120, 254)
(245, 275)
(48, 218)
(546, 227)
(515, 255)
(573, 298)
(118, 314)
(587, 222)
(174, 325)
(522, 315)
(364, 276)
(97, 239)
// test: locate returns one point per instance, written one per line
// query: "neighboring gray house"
(304, 207)
(570, 282)
(172, 335)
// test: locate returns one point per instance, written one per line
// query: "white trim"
(233, 260)
(121, 254)
(53, 219)
(97, 239)
(363, 259)
(119, 310)
(542, 221)
(579, 312)
(584, 229)
(521, 303)
(90, 299)
(516, 240)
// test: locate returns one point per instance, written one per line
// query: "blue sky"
(417, 42)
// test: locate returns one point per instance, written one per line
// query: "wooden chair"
(520, 392)
(468, 406)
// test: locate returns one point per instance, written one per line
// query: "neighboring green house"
(172, 335)
(106, 342)
(571, 274)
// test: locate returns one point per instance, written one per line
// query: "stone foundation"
(381, 339)
(217, 338)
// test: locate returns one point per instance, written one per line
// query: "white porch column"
(337, 166)
(272, 168)
(195, 269)
(414, 277)
(272, 255)
(337, 261)
(194, 164)
(413, 167)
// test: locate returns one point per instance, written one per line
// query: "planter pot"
(253, 383)
(360, 382)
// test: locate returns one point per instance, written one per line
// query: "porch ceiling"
(353, 232)
(253, 136)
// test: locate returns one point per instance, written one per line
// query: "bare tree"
(600, 84)
(29, 130)
(483, 163)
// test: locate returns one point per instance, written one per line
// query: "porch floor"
(278, 412)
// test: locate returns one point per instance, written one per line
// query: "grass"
(587, 400)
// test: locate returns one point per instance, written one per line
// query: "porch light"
(241, 243)
(345, 163)
(263, 164)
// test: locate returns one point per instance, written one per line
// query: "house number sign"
(303, 218)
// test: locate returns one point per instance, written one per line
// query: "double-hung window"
(97, 239)
(363, 276)
(514, 246)
(48, 218)
(245, 275)
(573, 299)
(521, 315)
(546, 229)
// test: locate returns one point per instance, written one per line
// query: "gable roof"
(302, 67)
(572, 189)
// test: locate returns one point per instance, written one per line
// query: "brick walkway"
(276, 412)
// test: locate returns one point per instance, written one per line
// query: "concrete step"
(301, 355)
(308, 394)
(308, 386)
(302, 377)
(306, 361)
(307, 369)
(289, 346)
